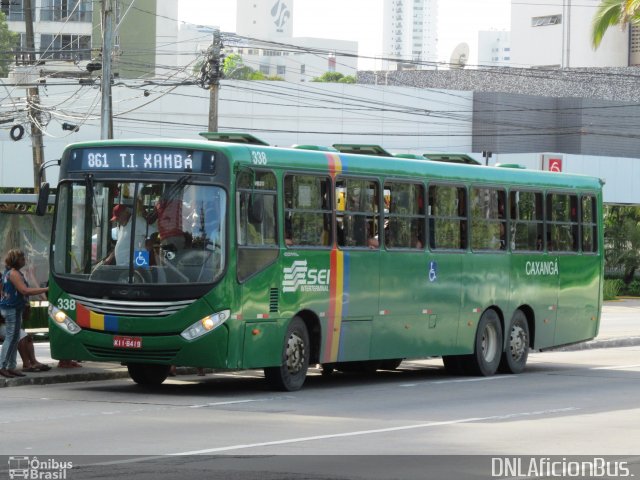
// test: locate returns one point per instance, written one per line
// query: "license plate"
(127, 342)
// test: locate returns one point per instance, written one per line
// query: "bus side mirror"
(256, 209)
(43, 199)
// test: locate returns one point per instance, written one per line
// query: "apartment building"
(70, 30)
(410, 34)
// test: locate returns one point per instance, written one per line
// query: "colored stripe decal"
(85, 318)
(96, 321)
(346, 267)
(111, 323)
(335, 306)
(82, 316)
(338, 280)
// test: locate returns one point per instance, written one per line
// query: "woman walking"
(15, 291)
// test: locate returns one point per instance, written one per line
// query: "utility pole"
(106, 114)
(33, 100)
(211, 77)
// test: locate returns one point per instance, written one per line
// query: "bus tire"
(514, 358)
(150, 375)
(291, 374)
(488, 346)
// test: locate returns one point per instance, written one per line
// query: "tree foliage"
(335, 77)
(234, 68)
(8, 41)
(622, 240)
(613, 13)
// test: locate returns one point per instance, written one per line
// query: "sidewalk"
(619, 327)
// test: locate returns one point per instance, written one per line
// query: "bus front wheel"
(488, 346)
(150, 375)
(290, 375)
(514, 359)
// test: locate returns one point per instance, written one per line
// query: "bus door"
(257, 270)
(355, 271)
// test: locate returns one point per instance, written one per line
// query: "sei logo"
(299, 277)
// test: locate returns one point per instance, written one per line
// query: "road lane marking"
(481, 379)
(616, 367)
(230, 402)
(375, 431)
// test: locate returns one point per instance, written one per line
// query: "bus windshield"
(132, 232)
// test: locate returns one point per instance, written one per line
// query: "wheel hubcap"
(295, 353)
(489, 343)
(518, 342)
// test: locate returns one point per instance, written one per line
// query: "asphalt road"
(417, 422)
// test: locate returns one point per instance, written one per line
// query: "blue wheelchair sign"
(141, 259)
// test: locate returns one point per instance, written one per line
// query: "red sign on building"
(552, 162)
(555, 164)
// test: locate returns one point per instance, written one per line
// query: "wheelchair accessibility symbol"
(433, 271)
(141, 258)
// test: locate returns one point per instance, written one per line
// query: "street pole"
(33, 101)
(214, 81)
(106, 114)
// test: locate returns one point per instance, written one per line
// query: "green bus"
(238, 255)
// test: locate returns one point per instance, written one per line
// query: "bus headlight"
(63, 321)
(205, 325)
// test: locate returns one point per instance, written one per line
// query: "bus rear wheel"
(150, 375)
(291, 374)
(514, 359)
(488, 346)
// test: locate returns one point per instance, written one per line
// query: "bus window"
(307, 210)
(447, 217)
(403, 215)
(526, 220)
(357, 213)
(589, 224)
(488, 220)
(256, 222)
(562, 222)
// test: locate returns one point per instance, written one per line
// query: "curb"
(88, 374)
(604, 343)
(46, 378)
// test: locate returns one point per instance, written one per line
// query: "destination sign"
(142, 159)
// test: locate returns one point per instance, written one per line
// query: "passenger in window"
(288, 233)
(372, 238)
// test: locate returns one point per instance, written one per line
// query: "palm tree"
(613, 12)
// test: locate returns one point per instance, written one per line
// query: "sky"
(361, 21)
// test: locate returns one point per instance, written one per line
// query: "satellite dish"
(459, 56)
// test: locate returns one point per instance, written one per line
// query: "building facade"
(410, 34)
(557, 34)
(494, 48)
(266, 43)
(70, 30)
